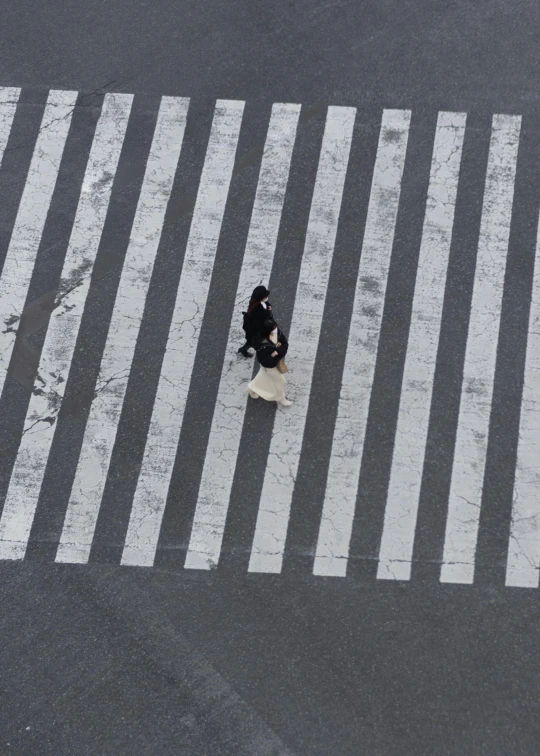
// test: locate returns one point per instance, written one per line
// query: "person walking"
(259, 310)
(269, 383)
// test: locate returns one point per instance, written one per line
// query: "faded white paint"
(349, 433)
(31, 216)
(169, 407)
(523, 567)
(229, 412)
(9, 97)
(286, 443)
(57, 353)
(102, 424)
(479, 369)
(397, 543)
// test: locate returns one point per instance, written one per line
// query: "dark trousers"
(247, 345)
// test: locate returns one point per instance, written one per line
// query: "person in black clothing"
(269, 383)
(271, 345)
(259, 310)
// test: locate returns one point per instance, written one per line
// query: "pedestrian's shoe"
(252, 394)
(244, 352)
(285, 403)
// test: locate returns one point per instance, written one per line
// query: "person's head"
(260, 294)
(267, 328)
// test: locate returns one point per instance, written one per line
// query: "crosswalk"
(228, 420)
(257, 536)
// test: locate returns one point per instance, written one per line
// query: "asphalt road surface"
(186, 570)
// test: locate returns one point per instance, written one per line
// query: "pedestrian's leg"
(281, 398)
(244, 350)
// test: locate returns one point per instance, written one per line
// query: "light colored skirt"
(269, 384)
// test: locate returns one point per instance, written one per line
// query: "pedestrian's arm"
(268, 357)
(274, 357)
(283, 344)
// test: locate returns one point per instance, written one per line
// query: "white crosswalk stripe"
(523, 568)
(284, 455)
(35, 202)
(9, 96)
(479, 369)
(226, 432)
(395, 555)
(57, 353)
(85, 500)
(168, 415)
(332, 519)
(350, 429)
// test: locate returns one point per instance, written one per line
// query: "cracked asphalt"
(100, 659)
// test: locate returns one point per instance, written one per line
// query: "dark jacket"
(265, 349)
(253, 322)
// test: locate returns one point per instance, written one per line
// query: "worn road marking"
(523, 567)
(286, 444)
(57, 353)
(479, 370)
(170, 403)
(349, 433)
(417, 387)
(229, 412)
(9, 97)
(31, 216)
(101, 428)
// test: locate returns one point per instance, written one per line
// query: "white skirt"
(269, 384)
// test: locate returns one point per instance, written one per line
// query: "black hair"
(267, 328)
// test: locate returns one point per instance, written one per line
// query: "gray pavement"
(103, 659)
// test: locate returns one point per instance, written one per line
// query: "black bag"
(246, 323)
